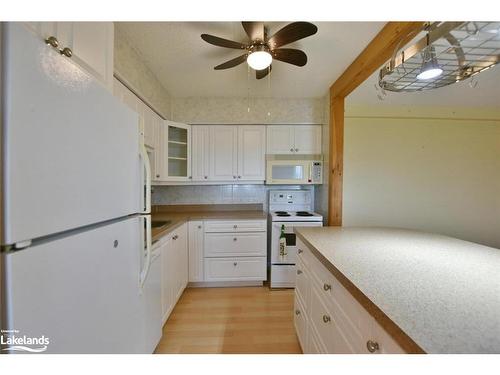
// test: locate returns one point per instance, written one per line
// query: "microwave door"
(288, 173)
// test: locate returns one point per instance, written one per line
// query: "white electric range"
(288, 208)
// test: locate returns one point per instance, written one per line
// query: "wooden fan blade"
(291, 56)
(221, 42)
(231, 63)
(291, 33)
(259, 74)
(254, 30)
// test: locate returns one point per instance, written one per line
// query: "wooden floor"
(231, 320)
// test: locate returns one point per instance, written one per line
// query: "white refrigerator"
(76, 230)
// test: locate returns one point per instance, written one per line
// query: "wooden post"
(393, 35)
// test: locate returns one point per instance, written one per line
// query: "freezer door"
(81, 292)
(71, 150)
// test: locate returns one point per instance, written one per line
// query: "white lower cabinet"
(174, 254)
(235, 250)
(195, 243)
(335, 321)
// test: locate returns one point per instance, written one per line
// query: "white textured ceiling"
(184, 63)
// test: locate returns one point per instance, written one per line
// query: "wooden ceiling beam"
(392, 36)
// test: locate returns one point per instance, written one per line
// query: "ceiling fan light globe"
(259, 60)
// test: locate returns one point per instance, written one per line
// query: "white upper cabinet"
(280, 139)
(176, 151)
(307, 139)
(228, 153)
(91, 44)
(223, 152)
(200, 154)
(251, 152)
(294, 139)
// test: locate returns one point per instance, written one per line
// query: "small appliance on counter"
(287, 209)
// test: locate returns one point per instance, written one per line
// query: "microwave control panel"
(317, 172)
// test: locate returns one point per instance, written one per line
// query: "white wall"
(247, 111)
(436, 170)
(129, 65)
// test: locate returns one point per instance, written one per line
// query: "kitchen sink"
(159, 223)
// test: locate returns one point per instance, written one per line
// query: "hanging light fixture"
(259, 57)
(430, 67)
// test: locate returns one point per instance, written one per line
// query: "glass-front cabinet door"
(176, 151)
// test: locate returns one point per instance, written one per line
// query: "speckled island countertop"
(442, 292)
(180, 214)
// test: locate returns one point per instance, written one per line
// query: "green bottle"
(282, 242)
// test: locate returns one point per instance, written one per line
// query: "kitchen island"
(430, 293)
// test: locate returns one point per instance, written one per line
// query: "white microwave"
(300, 172)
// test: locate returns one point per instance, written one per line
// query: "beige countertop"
(179, 215)
(442, 292)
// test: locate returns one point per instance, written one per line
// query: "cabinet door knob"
(190, 177)
(235, 226)
(234, 177)
(296, 150)
(158, 176)
(291, 149)
(327, 287)
(52, 41)
(239, 176)
(199, 226)
(300, 251)
(235, 239)
(206, 177)
(299, 272)
(326, 319)
(372, 346)
(235, 264)
(66, 52)
(297, 312)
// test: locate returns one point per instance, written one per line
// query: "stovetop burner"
(280, 212)
(283, 214)
(303, 213)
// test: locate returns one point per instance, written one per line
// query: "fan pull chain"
(269, 88)
(248, 88)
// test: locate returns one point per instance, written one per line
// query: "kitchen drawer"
(304, 254)
(235, 244)
(300, 322)
(212, 226)
(302, 283)
(323, 321)
(235, 269)
(339, 298)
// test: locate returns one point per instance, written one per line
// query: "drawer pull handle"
(52, 41)
(327, 287)
(235, 226)
(372, 346)
(300, 251)
(235, 264)
(299, 272)
(297, 312)
(326, 319)
(66, 52)
(235, 239)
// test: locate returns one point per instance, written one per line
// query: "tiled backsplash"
(217, 194)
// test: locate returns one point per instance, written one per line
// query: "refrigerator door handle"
(147, 187)
(145, 269)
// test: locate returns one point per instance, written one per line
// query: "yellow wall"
(431, 169)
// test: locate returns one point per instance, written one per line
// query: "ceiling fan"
(261, 49)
